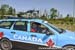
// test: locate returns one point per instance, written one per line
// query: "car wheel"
(69, 47)
(6, 44)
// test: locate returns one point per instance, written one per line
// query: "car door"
(40, 35)
(19, 31)
(5, 27)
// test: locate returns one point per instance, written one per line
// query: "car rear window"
(20, 25)
(6, 24)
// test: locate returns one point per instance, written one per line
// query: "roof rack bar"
(21, 17)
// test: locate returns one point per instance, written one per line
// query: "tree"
(53, 13)
(14, 12)
(68, 16)
(7, 10)
(2, 12)
(10, 11)
(4, 9)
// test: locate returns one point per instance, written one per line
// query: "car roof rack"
(13, 17)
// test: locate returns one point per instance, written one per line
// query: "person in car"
(39, 29)
(33, 27)
(36, 27)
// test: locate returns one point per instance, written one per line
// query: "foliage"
(53, 13)
(10, 11)
(6, 10)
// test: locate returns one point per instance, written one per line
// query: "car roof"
(11, 18)
(33, 20)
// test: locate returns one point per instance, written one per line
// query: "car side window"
(39, 28)
(6, 24)
(22, 26)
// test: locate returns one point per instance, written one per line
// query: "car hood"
(70, 33)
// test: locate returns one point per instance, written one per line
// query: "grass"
(65, 26)
(62, 23)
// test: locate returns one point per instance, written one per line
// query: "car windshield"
(55, 28)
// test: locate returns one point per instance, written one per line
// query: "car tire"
(69, 47)
(5, 44)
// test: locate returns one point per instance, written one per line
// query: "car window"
(22, 26)
(6, 24)
(39, 28)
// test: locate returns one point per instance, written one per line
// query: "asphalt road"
(42, 49)
(16, 49)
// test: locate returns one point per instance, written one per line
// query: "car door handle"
(33, 35)
(13, 32)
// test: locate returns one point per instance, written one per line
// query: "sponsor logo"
(27, 38)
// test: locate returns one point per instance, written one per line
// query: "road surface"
(16, 49)
(40, 49)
